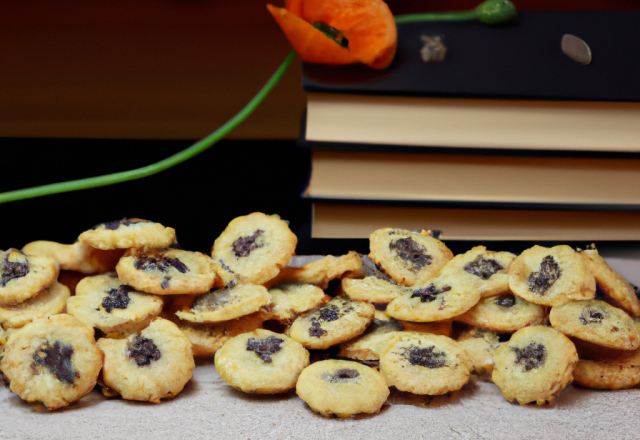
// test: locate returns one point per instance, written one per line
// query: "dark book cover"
(519, 60)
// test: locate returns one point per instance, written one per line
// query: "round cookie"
(206, 339)
(79, 257)
(167, 271)
(128, 233)
(53, 360)
(616, 289)
(503, 314)
(606, 369)
(224, 304)
(255, 247)
(487, 270)
(261, 362)
(103, 302)
(408, 257)
(51, 301)
(551, 276)
(425, 364)
(337, 321)
(444, 297)
(479, 351)
(534, 366)
(597, 322)
(343, 388)
(148, 366)
(288, 301)
(23, 276)
(372, 289)
(320, 272)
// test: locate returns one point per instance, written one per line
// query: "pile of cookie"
(409, 316)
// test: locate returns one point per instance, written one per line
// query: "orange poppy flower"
(339, 31)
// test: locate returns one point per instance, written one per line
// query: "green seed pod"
(496, 11)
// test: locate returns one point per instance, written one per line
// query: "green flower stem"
(437, 16)
(148, 170)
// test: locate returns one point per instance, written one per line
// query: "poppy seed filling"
(429, 293)
(412, 252)
(540, 282)
(117, 299)
(57, 360)
(532, 356)
(243, 246)
(344, 375)
(424, 356)
(264, 348)
(12, 270)
(142, 351)
(483, 268)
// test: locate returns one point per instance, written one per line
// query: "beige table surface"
(208, 408)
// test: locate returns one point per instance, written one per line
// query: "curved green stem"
(148, 170)
(437, 16)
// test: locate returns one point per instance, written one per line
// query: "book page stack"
(506, 139)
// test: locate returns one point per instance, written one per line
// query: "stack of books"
(506, 139)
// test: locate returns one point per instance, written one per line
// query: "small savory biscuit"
(292, 300)
(129, 233)
(23, 276)
(206, 339)
(343, 388)
(372, 289)
(444, 297)
(103, 302)
(479, 345)
(224, 275)
(255, 247)
(487, 270)
(320, 272)
(425, 364)
(551, 276)
(616, 289)
(503, 314)
(597, 322)
(224, 304)
(373, 342)
(408, 257)
(436, 328)
(261, 362)
(167, 271)
(51, 301)
(605, 368)
(337, 321)
(534, 366)
(148, 366)
(79, 257)
(52, 360)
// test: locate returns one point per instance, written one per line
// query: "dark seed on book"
(576, 49)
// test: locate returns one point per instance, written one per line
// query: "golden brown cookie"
(53, 360)
(223, 304)
(337, 321)
(255, 247)
(104, 302)
(320, 272)
(128, 233)
(597, 322)
(151, 365)
(487, 270)
(261, 362)
(618, 290)
(288, 301)
(368, 347)
(444, 297)
(79, 257)
(372, 289)
(343, 388)
(23, 276)
(534, 366)
(551, 276)
(605, 368)
(409, 258)
(503, 314)
(425, 364)
(51, 301)
(167, 271)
